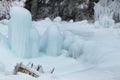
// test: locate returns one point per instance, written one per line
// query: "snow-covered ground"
(99, 50)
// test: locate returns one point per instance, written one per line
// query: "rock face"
(66, 9)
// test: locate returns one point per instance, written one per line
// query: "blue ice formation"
(21, 34)
(24, 39)
(51, 42)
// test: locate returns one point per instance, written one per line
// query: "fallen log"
(28, 70)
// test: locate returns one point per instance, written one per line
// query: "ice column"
(52, 41)
(35, 40)
(19, 31)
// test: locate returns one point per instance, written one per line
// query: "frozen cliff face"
(19, 31)
(51, 42)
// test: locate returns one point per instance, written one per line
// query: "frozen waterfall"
(51, 42)
(21, 33)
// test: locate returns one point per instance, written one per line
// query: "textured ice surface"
(2, 67)
(57, 19)
(34, 41)
(51, 42)
(19, 31)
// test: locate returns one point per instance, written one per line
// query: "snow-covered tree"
(4, 8)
